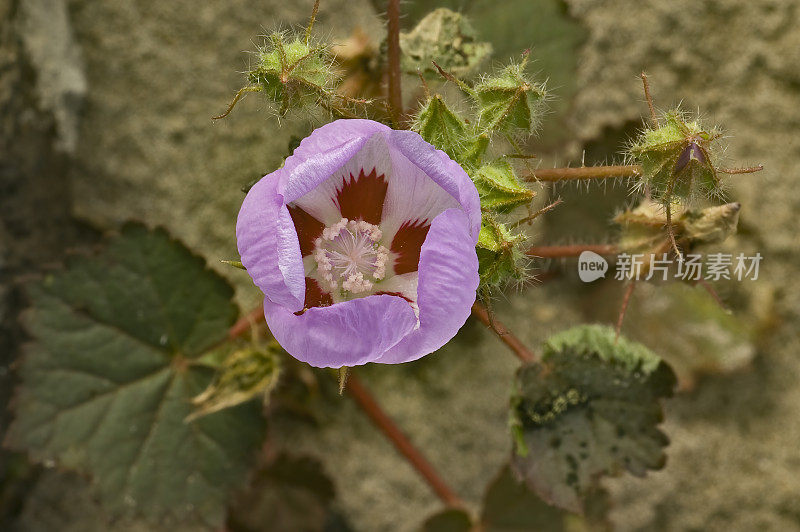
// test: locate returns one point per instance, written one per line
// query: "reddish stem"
(393, 38)
(367, 402)
(502, 332)
(626, 298)
(583, 172)
(557, 252)
(371, 407)
(245, 322)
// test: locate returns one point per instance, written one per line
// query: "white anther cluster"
(349, 251)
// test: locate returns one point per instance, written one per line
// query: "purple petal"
(322, 153)
(345, 334)
(443, 171)
(448, 279)
(268, 244)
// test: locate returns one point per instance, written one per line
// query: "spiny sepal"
(444, 128)
(500, 256)
(509, 101)
(679, 158)
(292, 72)
(499, 188)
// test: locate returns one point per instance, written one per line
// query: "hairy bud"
(500, 257)
(509, 102)
(678, 158)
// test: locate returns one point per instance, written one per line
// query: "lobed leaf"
(590, 408)
(107, 383)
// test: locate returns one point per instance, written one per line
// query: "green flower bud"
(243, 375)
(500, 258)
(292, 72)
(447, 38)
(678, 158)
(499, 188)
(509, 102)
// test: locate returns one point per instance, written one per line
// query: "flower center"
(350, 257)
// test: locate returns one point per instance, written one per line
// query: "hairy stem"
(550, 175)
(502, 332)
(370, 406)
(395, 96)
(558, 252)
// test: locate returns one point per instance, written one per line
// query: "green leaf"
(509, 506)
(590, 408)
(499, 188)
(290, 493)
(449, 520)
(107, 381)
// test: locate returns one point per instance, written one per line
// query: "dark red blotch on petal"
(407, 244)
(315, 297)
(398, 294)
(308, 229)
(362, 197)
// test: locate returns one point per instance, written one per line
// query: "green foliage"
(500, 259)
(244, 374)
(292, 72)
(678, 158)
(499, 188)
(509, 506)
(449, 520)
(446, 37)
(108, 380)
(443, 128)
(589, 409)
(509, 102)
(287, 494)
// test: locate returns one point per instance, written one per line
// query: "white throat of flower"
(350, 257)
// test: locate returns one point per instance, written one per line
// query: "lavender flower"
(364, 246)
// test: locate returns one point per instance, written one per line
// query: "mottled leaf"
(590, 408)
(510, 506)
(107, 381)
(446, 37)
(448, 520)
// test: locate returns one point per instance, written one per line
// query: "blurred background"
(105, 116)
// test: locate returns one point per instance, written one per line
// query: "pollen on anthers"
(350, 257)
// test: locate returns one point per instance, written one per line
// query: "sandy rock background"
(125, 91)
